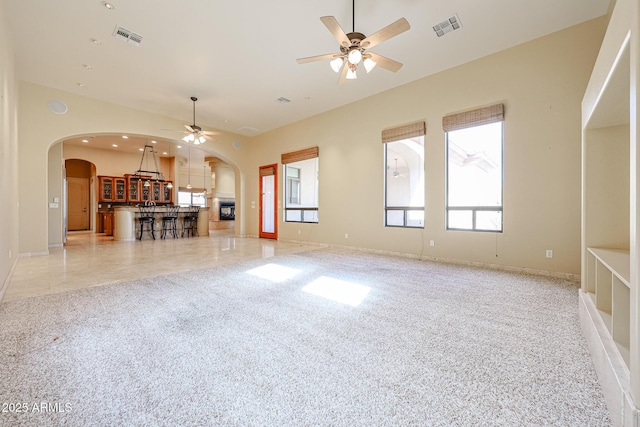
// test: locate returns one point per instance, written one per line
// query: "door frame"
(87, 201)
(268, 170)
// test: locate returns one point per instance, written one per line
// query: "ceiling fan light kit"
(195, 134)
(353, 48)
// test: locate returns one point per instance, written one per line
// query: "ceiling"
(135, 145)
(238, 57)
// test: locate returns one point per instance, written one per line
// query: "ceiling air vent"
(447, 26)
(128, 36)
(283, 100)
(248, 130)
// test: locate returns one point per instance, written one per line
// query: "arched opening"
(90, 158)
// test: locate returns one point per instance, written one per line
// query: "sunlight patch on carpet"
(274, 272)
(338, 290)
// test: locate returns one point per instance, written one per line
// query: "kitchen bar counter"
(126, 226)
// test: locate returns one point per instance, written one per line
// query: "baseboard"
(28, 254)
(5, 285)
(613, 373)
(574, 278)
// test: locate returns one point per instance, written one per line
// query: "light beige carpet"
(326, 338)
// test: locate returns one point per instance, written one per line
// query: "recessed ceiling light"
(165, 153)
(81, 84)
(85, 140)
(96, 41)
(140, 149)
(179, 146)
(114, 145)
(153, 142)
(108, 5)
(125, 137)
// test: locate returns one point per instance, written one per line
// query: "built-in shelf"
(607, 282)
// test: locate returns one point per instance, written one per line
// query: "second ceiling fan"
(195, 133)
(354, 48)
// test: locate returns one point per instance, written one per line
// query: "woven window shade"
(403, 132)
(297, 156)
(479, 116)
(267, 171)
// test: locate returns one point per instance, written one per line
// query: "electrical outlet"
(346, 235)
(432, 243)
(549, 253)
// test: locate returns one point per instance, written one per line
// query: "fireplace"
(227, 211)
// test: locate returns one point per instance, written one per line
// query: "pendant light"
(170, 184)
(189, 167)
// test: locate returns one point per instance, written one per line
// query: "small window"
(301, 185)
(293, 185)
(475, 175)
(192, 198)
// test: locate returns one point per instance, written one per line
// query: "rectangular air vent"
(447, 26)
(283, 100)
(128, 36)
(248, 131)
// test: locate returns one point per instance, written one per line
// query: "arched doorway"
(106, 159)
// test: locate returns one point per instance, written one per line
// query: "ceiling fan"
(195, 133)
(354, 48)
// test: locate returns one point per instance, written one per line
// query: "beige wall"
(8, 154)
(541, 84)
(85, 116)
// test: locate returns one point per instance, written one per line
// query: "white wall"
(8, 154)
(541, 84)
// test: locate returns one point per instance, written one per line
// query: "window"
(404, 177)
(474, 169)
(293, 185)
(301, 185)
(192, 198)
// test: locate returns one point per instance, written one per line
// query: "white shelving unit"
(607, 283)
(610, 294)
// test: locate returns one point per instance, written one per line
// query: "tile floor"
(90, 259)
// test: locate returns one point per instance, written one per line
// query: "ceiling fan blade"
(332, 25)
(189, 128)
(386, 63)
(318, 58)
(342, 78)
(209, 132)
(391, 30)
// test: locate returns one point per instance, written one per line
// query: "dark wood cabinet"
(106, 190)
(131, 189)
(120, 187)
(167, 192)
(157, 195)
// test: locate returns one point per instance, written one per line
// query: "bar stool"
(147, 217)
(190, 221)
(170, 222)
